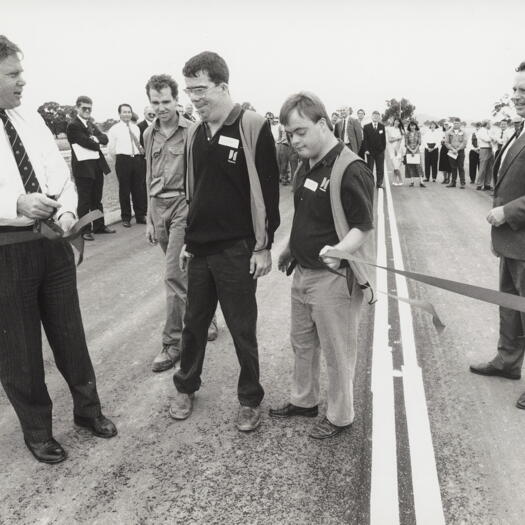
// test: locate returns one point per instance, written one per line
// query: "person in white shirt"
(125, 150)
(431, 141)
(486, 156)
(38, 275)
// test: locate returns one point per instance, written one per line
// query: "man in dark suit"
(149, 117)
(374, 144)
(85, 137)
(507, 218)
(348, 130)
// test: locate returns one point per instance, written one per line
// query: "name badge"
(311, 184)
(229, 142)
(380, 131)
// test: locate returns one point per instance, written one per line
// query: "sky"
(448, 57)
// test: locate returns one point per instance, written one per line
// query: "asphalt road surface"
(431, 444)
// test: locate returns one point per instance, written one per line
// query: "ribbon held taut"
(52, 231)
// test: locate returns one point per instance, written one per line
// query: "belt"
(130, 156)
(170, 194)
(10, 229)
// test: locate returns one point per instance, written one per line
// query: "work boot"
(166, 358)
(182, 406)
(248, 418)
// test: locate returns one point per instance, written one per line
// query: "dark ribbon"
(487, 295)
(49, 229)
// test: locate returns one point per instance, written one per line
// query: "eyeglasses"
(85, 108)
(151, 115)
(198, 91)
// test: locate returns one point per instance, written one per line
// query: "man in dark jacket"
(507, 219)
(374, 144)
(88, 164)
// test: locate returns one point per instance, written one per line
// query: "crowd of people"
(180, 177)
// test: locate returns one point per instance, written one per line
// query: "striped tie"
(25, 168)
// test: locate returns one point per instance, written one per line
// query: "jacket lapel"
(513, 152)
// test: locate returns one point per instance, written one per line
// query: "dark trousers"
(38, 286)
(431, 163)
(511, 323)
(131, 175)
(473, 165)
(458, 165)
(225, 277)
(379, 160)
(90, 199)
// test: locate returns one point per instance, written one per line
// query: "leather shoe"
(520, 403)
(99, 426)
(182, 406)
(106, 229)
(451, 185)
(49, 451)
(248, 418)
(213, 331)
(166, 358)
(486, 369)
(88, 237)
(126, 224)
(290, 410)
(325, 429)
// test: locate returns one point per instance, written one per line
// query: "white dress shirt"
(120, 142)
(433, 137)
(485, 138)
(50, 168)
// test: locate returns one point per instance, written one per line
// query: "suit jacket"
(77, 133)
(374, 141)
(353, 138)
(143, 126)
(509, 238)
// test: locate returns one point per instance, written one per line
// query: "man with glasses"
(37, 276)
(232, 184)
(88, 164)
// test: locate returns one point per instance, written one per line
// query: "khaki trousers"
(324, 318)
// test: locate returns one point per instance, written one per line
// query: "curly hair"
(207, 62)
(158, 82)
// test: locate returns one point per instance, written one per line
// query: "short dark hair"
(82, 99)
(415, 124)
(307, 105)
(158, 82)
(207, 62)
(456, 119)
(124, 105)
(8, 48)
(521, 67)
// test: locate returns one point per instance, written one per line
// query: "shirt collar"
(329, 158)
(85, 122)
(183, 123)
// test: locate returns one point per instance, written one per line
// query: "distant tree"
(402, 108)
(107, 124)
(56, 116)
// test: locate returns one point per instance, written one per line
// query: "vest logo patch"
(324, 184)
(232, 156)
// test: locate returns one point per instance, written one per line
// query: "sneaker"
(213, 331)
(325, 429)
(166, 358)
(248, 418)
(182, 406)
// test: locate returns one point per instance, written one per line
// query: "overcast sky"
(449, 57)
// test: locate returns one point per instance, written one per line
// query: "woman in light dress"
(395, 148)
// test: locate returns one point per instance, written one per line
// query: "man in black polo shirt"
(233, 194)
(324, 314)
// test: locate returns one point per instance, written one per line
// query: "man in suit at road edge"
(348, 130)
(507, 219)
(88, 173)
(374, 144)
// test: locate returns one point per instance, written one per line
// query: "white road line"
(425, 483)
(384, 499)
